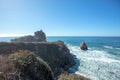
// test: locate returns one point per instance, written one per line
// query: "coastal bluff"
(56, 54)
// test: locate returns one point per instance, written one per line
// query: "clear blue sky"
(60, 17)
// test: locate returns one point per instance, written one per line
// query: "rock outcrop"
(39, 36)
(56, 54)
(83, 46)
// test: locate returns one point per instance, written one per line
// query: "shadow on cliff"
(75, 67)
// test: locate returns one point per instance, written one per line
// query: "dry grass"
(22, 58)
(7, 69)
(24, 65)
(71, 77)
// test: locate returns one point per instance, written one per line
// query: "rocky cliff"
(56, 54)
(39, 36)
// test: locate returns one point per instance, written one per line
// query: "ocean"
(100, 62)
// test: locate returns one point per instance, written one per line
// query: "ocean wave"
(118, 48)
(95, 55)
(109, 47)
(103, 59)
(96, 64)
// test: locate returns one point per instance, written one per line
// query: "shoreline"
(74, 68)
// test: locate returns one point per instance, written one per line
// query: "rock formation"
(56, 54)
(83, 46)
(39, 36)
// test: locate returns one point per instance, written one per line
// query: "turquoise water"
(100, 62)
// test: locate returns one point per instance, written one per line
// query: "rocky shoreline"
(55, 55)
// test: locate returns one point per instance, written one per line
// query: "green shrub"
(30, 66)
(23, 58)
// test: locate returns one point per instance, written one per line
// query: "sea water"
(102, 59)
(100, 62)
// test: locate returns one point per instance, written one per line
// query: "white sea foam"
(118, 48)
(96, 64)
(109, 47)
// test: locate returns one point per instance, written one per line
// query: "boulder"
(83, 46)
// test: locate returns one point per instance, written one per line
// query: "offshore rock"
(39, 36)
(83, 46)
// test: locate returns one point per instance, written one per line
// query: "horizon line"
(63, 36)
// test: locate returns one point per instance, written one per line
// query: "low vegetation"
(23, 58)
(24, 65)
(71, 77)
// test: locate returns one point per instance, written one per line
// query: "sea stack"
(83, 46)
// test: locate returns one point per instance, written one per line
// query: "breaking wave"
(110, 47)
(96, 64)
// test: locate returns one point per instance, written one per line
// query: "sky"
(60, 17)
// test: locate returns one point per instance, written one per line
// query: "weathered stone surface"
(39, 36)
(83, 46)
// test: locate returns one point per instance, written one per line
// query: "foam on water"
(118, 48)
(109, 47)
(96, 64)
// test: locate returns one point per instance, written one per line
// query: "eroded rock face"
(39, 36)
(83, 46)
